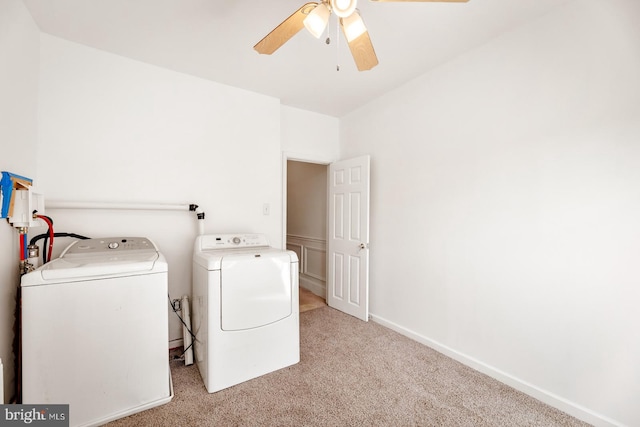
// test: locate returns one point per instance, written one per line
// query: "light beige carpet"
(353, 373)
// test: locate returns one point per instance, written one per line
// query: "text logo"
(34, 415)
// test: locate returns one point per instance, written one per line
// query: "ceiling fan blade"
(424, 1)
(361, 50)
(283, 32)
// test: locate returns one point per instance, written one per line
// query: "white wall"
(309, 136)
(113, 129)
(505, 206)
(18, 134)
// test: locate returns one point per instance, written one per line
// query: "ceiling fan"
(315, 17)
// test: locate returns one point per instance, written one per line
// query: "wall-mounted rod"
(61, 204)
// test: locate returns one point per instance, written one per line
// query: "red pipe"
(22, 247)
(51, 234)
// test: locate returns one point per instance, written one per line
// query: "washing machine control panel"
(110, 244)
(226, 241)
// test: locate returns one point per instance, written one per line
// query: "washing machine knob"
(236, 240)
(113, 245)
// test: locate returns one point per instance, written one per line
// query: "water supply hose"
(49, 222)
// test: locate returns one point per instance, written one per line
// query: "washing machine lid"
(97, 258)
(65, 269)
(98, 265)
(255, 289)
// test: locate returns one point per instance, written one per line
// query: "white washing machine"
(95, 330)
(245, 309)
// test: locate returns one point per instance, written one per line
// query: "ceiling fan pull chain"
(337, 44)
(328, 40)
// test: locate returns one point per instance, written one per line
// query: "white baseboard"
(176, 343)
(550, 399)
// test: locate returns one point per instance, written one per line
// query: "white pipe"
(61, 204)
(200, 215)
(186, 331)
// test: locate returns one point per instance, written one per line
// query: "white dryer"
(95, 330)
(245, 308)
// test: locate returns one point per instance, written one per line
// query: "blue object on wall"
(8, 183)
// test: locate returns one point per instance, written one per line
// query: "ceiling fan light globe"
(343, 8)
(317, 20)
(353, 26)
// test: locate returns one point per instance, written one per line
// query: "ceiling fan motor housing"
(343, 8)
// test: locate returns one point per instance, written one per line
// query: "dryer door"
(255, 289)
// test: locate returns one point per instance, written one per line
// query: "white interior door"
(348, 237)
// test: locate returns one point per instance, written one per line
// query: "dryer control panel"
(109, 244)
(229, 241)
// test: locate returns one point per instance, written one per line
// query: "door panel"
(348, 244)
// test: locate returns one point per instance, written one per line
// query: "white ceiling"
(214, 39)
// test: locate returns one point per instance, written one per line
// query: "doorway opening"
(306, 227)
